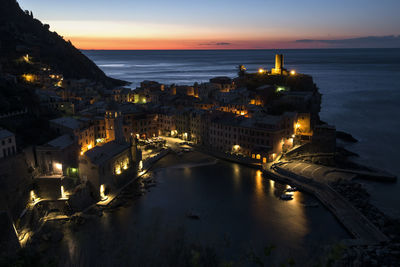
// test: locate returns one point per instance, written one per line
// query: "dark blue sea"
(360, 87)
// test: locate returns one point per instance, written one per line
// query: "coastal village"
(90, 138)
(105, 136)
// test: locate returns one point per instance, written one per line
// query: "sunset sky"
(221, 24)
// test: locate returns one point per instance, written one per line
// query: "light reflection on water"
(367, 89)
(235, 203)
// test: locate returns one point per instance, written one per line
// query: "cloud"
(389, 41)
(217, 43)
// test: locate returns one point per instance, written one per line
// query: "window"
(9, 140)
(3, 143)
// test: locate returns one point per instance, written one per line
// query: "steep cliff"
(21, 33)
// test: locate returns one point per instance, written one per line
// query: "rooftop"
(67, 122)
(101, 154)
(5, 133)
(62, 141)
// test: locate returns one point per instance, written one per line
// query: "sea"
(360, 88)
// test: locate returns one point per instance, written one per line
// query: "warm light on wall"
(99, 140)
(89, 146)
(58, 166)
(63, 194)
(33, 196)
(125, 166)
(26, 58)
(103, 192)
(118, 170)
(140, 165)
(29, 77)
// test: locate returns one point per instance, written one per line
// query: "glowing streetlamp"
(292, 72)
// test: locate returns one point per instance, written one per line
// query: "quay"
(363, 230)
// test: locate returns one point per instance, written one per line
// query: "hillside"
(21, 33)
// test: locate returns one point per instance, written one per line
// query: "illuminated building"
(57, 156)
(258, 137)
(110, 164)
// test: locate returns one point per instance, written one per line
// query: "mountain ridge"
(21, 33)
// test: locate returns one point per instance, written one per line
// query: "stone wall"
(15, 184)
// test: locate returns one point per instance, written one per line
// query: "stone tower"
(114, 128)
(278, 65)
(279, 62)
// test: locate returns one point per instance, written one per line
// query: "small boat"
(291, 189)
(286, 197)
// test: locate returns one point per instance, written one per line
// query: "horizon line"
(232, 49)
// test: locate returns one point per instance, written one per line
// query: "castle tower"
(278, 70)
(278, 62)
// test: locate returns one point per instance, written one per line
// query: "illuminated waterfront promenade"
(356, 223)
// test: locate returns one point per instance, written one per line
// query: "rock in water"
(346, 137)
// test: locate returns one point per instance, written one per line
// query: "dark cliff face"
(21, 33)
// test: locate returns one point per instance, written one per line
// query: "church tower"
(114, 128)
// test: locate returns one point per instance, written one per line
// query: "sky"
(221, 24)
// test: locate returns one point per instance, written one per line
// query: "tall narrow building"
(278, 70)
(113, 121)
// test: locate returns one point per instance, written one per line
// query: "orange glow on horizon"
(113, 43)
